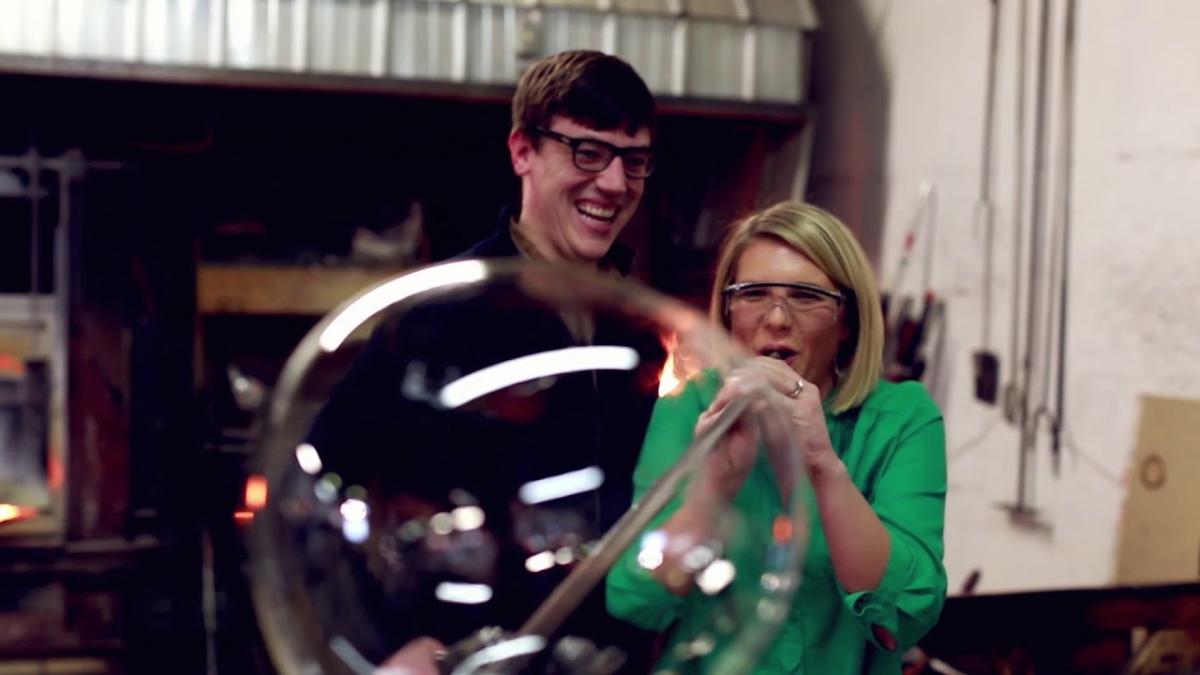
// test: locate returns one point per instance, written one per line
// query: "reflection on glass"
(449, 456)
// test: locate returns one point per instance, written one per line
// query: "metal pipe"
(985, 174)
(1012, 401)
(1068, 130)
(1036, 225)
(35, 245)
(27, 163)
(72, 169)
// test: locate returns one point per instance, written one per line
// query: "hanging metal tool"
(1022, 510)
(1060, 256)
(1068, 141)
(1012, 400)
(914, 352)
(986, 363)
(1052, 359)
(907, 326)
(891, 315)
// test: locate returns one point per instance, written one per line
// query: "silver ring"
(795, 393)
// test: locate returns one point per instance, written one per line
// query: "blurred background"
(186, 186)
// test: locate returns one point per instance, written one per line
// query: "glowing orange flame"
(667, 382)
(11, 512)
(243, 516)
(256, 492)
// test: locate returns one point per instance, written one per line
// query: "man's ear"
(520, 150)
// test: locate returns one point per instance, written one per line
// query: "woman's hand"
(728, 463)
(761, 381)
(768, 377)
(859, 545)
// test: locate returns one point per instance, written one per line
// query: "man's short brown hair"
(592, 88)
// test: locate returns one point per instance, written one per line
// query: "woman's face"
(799, 330)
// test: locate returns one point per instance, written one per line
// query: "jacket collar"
(501, 244)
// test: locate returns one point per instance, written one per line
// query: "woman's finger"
(778, 373)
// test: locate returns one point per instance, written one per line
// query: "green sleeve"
(632, 593)
(909, 497)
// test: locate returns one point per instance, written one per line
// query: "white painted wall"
(1134, 319)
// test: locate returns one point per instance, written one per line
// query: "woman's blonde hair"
(823, 239)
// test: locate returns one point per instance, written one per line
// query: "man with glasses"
(581, 144)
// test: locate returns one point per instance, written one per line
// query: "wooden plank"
(280, 289)
(1160, 532)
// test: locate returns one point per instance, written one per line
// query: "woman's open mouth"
(781, 353)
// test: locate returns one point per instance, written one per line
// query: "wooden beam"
(280, 289)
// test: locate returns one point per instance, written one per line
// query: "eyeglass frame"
(574, 143)
(727, 292)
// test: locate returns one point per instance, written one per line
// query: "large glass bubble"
(449, 455)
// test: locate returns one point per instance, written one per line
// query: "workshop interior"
(214, 212)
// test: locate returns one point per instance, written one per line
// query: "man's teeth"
(597, 212)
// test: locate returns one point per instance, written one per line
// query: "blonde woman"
(795, 290)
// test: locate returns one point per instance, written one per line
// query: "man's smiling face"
(568, 213)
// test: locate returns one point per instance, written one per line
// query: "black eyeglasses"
(594, 156)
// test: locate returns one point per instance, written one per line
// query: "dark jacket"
(500, 244)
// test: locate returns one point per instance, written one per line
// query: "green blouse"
(894, 448)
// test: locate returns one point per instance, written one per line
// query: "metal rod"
(35, 245)
(550, 616)
(27, 162)
(1068, 130)
(1012, 402)
(985, 174)
(929, 221)
(1036, 223)
(73, 169)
